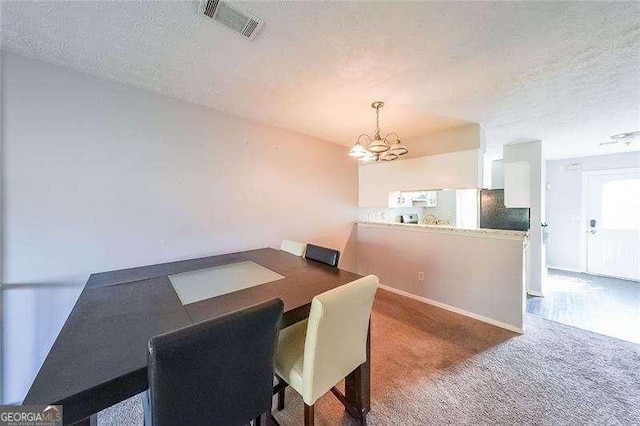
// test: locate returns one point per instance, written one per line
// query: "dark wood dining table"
(100, 356)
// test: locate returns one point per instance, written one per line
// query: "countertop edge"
(481, 232)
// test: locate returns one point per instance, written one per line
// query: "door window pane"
(621, 204)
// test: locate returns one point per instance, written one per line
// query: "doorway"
(593, 248)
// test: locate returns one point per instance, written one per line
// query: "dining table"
(99, 358)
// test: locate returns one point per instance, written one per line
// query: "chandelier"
(379, 148)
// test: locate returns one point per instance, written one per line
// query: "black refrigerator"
(494, 214)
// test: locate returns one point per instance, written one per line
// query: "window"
(621, 204)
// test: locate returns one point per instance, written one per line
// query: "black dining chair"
(217, 372)
(322, 254)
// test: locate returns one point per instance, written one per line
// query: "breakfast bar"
(477, 272)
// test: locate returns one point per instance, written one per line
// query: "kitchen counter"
(447, 229)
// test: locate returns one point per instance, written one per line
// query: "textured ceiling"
(564, 72)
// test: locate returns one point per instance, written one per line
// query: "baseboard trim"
(562, 268)
(453, 309)
(535, 293)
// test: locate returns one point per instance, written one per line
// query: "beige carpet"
(430, 366)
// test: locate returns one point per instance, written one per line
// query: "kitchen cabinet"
(426, 198)
(517, 184)
(400, 199)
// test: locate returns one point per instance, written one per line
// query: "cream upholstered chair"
(314, 355)
(293, 247)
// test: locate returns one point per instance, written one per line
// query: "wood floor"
(604, 305)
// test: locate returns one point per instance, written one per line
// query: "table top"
(100, 355)
(194, 286)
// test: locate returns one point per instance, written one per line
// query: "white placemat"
(204, 284)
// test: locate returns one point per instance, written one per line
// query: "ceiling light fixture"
(379, 148)
(625, 138)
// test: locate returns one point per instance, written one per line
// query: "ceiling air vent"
(232, 17)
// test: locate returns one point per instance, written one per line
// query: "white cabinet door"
(427, 198)
(517, 184)
(406, 199)
(431, 199)
(393, 200)
(399, 199)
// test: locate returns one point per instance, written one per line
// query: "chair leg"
(363, 418)
(281, 400)
(264, 419)
(279, 389)
(356, 412)
(308, 415)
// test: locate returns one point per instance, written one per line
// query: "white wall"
(461, 138)
(447, 159)
(532, 153)
(563, 208)
(101, 176)
(497, 175)
(454, 170)
(480, 275)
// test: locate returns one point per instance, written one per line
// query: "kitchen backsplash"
(390, 215)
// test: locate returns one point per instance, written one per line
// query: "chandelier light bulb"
(358, 151)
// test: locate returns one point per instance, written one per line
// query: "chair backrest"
(215, 372)
(322, 254)
(293, 247)
(336, 337)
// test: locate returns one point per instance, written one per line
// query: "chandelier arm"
(394, 134)
(366, 136)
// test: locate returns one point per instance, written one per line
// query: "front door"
(613, 224)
